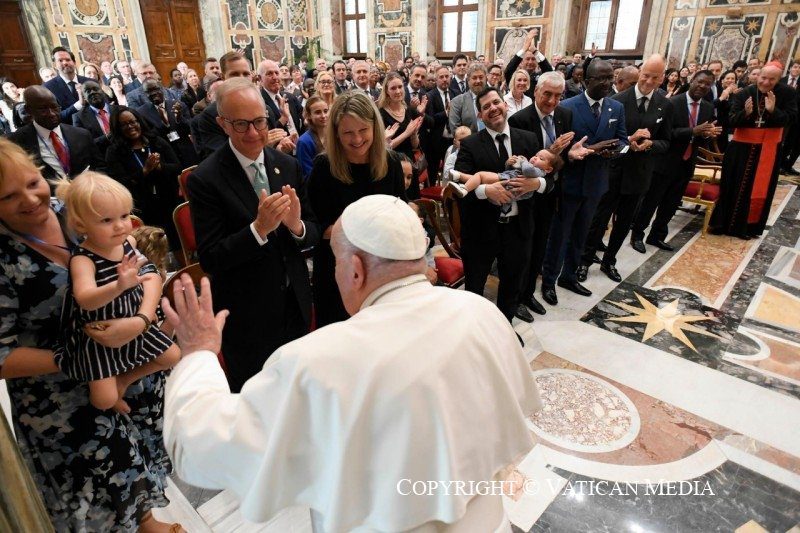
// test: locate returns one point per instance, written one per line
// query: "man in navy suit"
(600, 122)
(66, 87)
(437, 109)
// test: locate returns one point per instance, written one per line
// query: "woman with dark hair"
(683, 76)
(10, 97)
(723, 106)
(672, 83)
(148, 167)
(312, 142)
(355, 164)
(117, 87)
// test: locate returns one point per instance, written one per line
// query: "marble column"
(326, 37)
(559, 29)
(419, 35)
(37, 25)
(655, 27)
(483, 22)
(137, 25)
(212, 22)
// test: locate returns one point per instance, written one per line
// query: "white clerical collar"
(244, 160)
(391, 287)
(66, 79)
(639, 94)
(44, 133)
(592, 100)
(541, 115)
(506, 130)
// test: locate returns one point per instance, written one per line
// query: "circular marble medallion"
(582, 412)
(89, 8)
(269, 13)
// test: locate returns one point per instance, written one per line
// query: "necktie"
(72, 90)
(446, 99)
(103, 119)
(642, 105)
(414, 94)
(501, 149)
(273, 107)
(692, 123)
(163, 113)
(260, 181)
(462, 85)
(61, 152)
(596, 110)
(793, 82)
(550, 129)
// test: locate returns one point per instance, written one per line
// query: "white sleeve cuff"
(78, 105)
(262, 242)
(480, 192)
(521, 53)
(302, 235)
(542, 186)
(455, 175)
(540, 56)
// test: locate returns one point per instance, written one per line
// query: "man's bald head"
(42, 106)
(768, 78)
(270, 75)
(626, 78)
(651, 74)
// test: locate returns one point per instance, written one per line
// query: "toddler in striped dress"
(109, 279)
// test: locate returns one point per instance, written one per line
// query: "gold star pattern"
(664, 319)
(753, 25)
(713, 26)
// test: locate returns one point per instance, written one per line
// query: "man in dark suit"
(95, 117)
(791, 141)
(715, 67)
(252, 220)
(169, 119)
(361, 80)
(340, 76)
(648, 119)
(692, 125)
(137, 97)
(66, 86)
(274, 97)
(437, 110)
(529, 58)
(459, 84)
(602, 122)
(487, 232)
(551, 124)
(415, 89)
(61, 150)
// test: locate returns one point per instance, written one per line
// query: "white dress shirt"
(513, 107)
(79, 104)
(245, 162)
(46, 149)
(640, 95)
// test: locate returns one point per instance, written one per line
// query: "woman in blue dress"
(96, 471)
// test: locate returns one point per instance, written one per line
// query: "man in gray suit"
(462, 107)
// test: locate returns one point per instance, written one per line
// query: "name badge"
(173, 136)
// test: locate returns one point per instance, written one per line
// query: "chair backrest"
(709, 157)
(428, 209)
(183, 180)
(182, 217)
(453, 216)
(194, 271)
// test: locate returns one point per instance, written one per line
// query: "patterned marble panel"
(243, 42)
(680, 36)
(515, 9)
(778, 357)
(728, 3)
(508, 40)
(785, 268)
(63, 39)
(238, 14)
(126, 47)
(724, 499)
(57, 14)
(392, 14)
(433, 24)
(776, 307)
(336, 25)
(88, 12)
(686, 4)
(298, 17)
(730, 39)
(299, 47)
(96, 47)
(783, 45)
(272, 47)
(391, 47)
(269, 14)
(120, 12)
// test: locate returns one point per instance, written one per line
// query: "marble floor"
(671, 400)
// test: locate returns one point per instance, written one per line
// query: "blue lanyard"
(139, 161)
(37, 240)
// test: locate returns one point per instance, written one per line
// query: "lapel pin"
(276, 170)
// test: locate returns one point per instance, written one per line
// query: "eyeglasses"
(241, 125)
(326, 82)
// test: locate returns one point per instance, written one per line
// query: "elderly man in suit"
(61, 150)
(464, 107)
(551, 124)
(96, 116)
(252, 220)
(529, 58)
(440, 137)
(487, 231)
(66, 86)
(276, 98)
(599, 121)
(692, 125)
(361, 80)
(648, 120)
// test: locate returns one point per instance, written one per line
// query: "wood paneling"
(16, 58)
(174, 34)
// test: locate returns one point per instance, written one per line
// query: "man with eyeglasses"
(252, 220)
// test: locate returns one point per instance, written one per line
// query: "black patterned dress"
(96, 471)
(87, 360)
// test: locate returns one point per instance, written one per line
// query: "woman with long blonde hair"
(356, 164)
(324, 87)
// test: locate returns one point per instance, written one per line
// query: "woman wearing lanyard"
(148, 167)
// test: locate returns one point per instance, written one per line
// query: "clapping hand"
(153, 162)
(638, 135)
(561, 142)
(578, 151)
(748, 106)
(391, 130)
(769, 102)
(176, 110)
(272, 210)
(530, 41)
(274, 136)
(128, 272)
(292, 219)
(422, 105)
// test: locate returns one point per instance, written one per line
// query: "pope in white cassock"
(422, 383)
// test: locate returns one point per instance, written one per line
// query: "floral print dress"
(96, 470)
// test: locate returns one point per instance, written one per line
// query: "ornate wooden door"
(174, 34)
(16, 59)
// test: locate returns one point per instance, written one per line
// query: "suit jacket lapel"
(274, 180)
(586, 116)
(237, 179)
(537, 126)
(491, 149)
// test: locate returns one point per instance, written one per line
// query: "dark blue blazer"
(64, 96)
(589, 177)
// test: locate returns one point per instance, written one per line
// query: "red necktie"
(61, 152)
(101, 115)
(692, 123)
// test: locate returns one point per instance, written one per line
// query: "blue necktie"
(550, 129)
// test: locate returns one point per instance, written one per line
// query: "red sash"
(770, 140)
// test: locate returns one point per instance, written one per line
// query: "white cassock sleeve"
(217, 439)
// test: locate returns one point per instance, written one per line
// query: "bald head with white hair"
(768, 78)
(651, 74)
(269, 74)
(548, 92)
